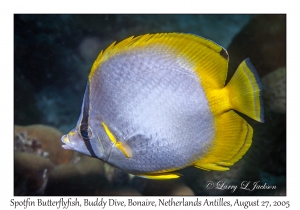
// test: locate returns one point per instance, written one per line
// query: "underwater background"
(53, 55)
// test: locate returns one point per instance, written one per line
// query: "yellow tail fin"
(244, 90)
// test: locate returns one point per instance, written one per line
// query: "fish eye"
(86, 133)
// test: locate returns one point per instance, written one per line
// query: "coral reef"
(49, 139)
(31, 173)
(23, 143)
(37, 151)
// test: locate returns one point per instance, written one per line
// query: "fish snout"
(65, 140)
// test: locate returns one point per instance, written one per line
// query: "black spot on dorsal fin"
(224, 54)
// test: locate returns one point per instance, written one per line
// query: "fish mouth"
(65, 140)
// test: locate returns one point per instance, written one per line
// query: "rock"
(30, 173)
(49, 138)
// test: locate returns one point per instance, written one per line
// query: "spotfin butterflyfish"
(157, 103)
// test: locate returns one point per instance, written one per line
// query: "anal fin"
(161, 176)
(233, 139)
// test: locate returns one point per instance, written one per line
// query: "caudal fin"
(233, 134)
(245, 91)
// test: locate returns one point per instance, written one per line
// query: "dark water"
(53, 55)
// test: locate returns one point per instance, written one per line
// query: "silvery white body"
(154, 102)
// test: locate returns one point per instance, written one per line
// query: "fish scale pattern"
(154, 103)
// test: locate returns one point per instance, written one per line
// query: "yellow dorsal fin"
(207, 59)
(233, 139)
(161, 176)
(122, 146)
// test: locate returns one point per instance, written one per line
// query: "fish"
(157, 103)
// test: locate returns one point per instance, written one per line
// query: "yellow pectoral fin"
(109, 133)
(122, 146)
(160, 176)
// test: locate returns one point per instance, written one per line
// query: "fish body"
(158, 103)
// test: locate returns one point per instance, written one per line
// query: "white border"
(8, 8)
